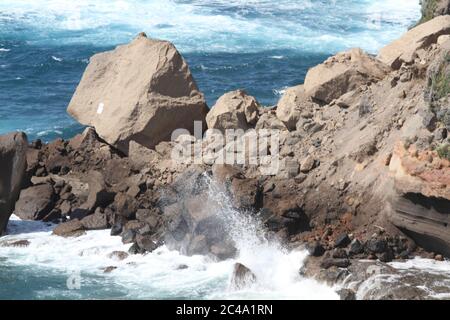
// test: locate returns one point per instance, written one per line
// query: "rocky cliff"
(362, 155)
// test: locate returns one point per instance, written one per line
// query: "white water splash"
(158, 275)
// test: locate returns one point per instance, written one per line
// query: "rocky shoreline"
(363, 158)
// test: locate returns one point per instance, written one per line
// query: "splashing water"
(41, 270)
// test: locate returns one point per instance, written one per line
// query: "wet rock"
(128, 236)
(339, 253)
(376, 245)
(116, 229)
(242, 277)
(109, 269)
(13, 150)
(386, 256)
(356, 247)
(315, 249)
(342, 241)
(35, 202)
(17, 243)
(72, 228)
(135, 249)
(147, 242)
(118, 255)
(333, 262)
(96, 221)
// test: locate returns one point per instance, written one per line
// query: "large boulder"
(291, 106)
(35, 202)
(234, 110)
(13, 163)
(141, 92)
(404, 50)
(342, 73)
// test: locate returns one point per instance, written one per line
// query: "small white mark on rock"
(101, 105)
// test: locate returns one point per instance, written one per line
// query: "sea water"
(261, 46)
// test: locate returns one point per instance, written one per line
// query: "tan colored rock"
(140, 92)
(269, 121)
(291, 105)
(233, 110)
(404, 49)
(443, 39)
(342, 73)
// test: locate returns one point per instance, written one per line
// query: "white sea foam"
(222, 25)
(4, 50)
(57, 59)
(157, 274)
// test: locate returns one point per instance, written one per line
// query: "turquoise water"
(261, 46)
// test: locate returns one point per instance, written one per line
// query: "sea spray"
(162, 274)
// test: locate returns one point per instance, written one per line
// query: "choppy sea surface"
(261, 46)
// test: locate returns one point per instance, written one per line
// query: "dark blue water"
(260, 46)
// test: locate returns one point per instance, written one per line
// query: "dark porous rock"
(376, 245)
(35, 202)
(339, 253)
(332, 262)
(72, 228)
(315, 249)
(342, 241)
(18, 243)
(99, 196)
(126, 206)
(54, 216)
(347, 294)
(246, 194)
(118, 255)
(135, 249)
(128, 236)
(96, 221)
(182, 267)
(116, 229)
(242, 277)
(356, 247)
(386, 256)
(79, 213)
(109, 269)
(148, 216)
(147, 242)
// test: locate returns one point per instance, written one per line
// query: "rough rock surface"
(406, 49)
(141, 92)
(342, 73)
(13, 163)
(234, 110)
